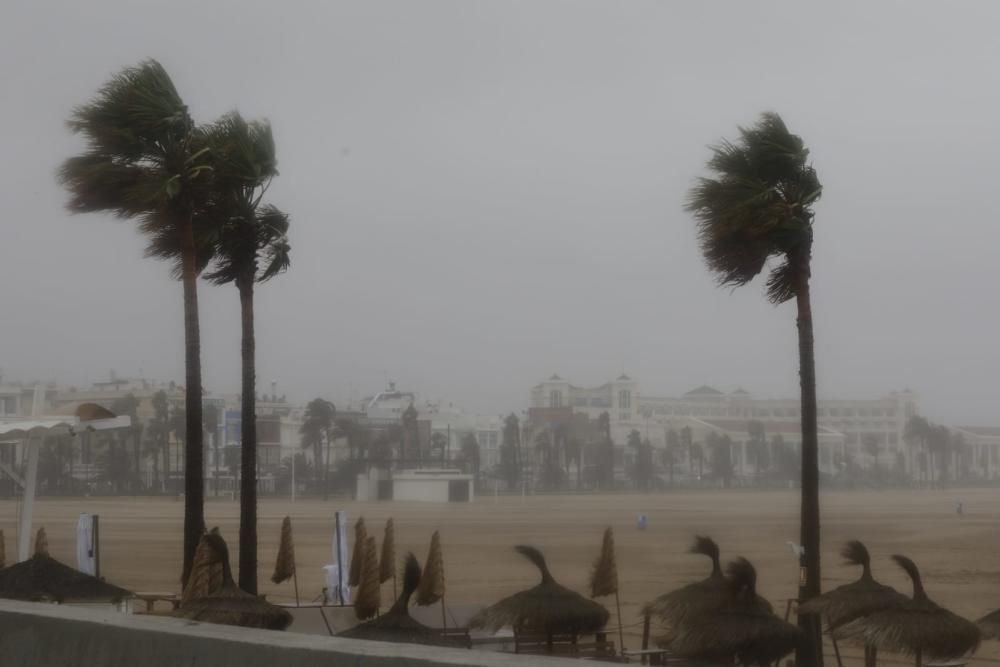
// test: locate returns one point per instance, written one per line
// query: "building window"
(555, 399)
(624, 399)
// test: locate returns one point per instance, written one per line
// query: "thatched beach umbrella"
(396, 625)
(368, 598)
(284, 564)
(206, 576)
(230, 605)
(548, 608)
(358, 553)
(989, 625)
(918, 627)
(387, 562)
(43, 578)
(670, 609)
(604, 578)
(739, 628)
(431, 588)
(856, 599)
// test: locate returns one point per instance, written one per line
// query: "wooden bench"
(152, 598)
(460, 636)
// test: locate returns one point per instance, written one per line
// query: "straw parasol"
(431, 587)
(858, 598)
(547, 608)
(387, 563)
(604, 578)
(368, 598)
(229, 605)
(396, 625)
(989, 625)
(43, 578)
(284, 564)
(917, 627)
(670, 609)
(206, 576)
(358, 554)
(739, 628)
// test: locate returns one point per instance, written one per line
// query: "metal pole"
(621, 635)
(96, 543)
(293, 477)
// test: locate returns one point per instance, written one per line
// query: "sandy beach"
(141, 540)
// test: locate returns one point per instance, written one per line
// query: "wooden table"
(152, 598)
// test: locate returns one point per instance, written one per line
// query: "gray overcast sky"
(484, 193)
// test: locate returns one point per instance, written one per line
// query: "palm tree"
(210, 423)
(757, 442)
(315, 430)
(409, 444)
(917, 434)
(129, 405)
(870, 442)
(757, 206)
(250, 246)
(146, 160)
(469, 451)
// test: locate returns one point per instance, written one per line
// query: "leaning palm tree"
(146, 160)
(758, 206)
(250, 246)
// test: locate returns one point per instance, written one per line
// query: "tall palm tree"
(758, 206)
(146, 160)
(317, 423)
(250, 246)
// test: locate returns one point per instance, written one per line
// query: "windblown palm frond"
(758, 206)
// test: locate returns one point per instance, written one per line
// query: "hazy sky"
(484, 193)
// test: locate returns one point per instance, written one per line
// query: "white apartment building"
(844, 423)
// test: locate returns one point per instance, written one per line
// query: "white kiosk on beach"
(31, 433)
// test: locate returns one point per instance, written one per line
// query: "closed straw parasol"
(358, 554)
(368, 598)
(387, 563)
(917, 627)
(43, 578)
(858, 598)
(431, 588)
(284, 565)
(396, 625)
(548, 608)
(230, 605)
(206, 576)
(739, 628)
(670, 609)
(604, 577)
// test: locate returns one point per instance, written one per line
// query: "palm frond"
(757, 205)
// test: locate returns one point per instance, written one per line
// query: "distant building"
(844, 424)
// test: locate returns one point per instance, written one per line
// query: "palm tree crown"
(758, 206)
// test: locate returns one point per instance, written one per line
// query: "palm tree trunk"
(194, 486)
(810, 654)
(248, 450)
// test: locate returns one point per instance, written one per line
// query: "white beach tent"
(32, 433)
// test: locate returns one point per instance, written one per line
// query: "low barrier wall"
(45, 635)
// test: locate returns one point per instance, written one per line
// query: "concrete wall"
(43, 635)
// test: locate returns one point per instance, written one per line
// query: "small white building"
(430, 485)
(422, 485)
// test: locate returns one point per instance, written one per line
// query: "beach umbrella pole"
(444, 620)
(295, 581)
